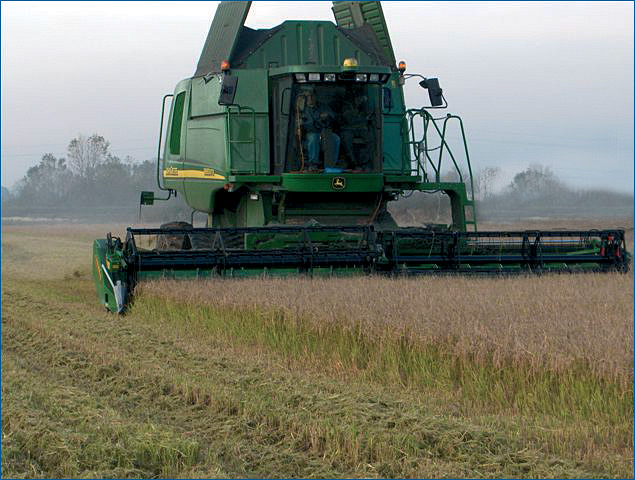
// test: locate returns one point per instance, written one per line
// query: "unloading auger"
(293, 140)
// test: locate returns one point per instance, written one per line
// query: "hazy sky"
(548, 83)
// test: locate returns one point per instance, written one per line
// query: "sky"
(547, 83)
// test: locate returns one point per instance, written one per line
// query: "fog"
(547, 83)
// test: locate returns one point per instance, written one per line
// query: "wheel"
(174, 241)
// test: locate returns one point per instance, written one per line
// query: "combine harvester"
(293, 140)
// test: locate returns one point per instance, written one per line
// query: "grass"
(63, 429)
(554, 322)
(361, 377)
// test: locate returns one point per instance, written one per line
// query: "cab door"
(174, 149)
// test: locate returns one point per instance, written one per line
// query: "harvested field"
(433, 377)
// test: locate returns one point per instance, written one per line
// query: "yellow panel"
(206, 173)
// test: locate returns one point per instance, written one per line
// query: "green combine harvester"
(293, 140)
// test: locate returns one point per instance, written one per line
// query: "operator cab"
(328, 122)
(335, 128)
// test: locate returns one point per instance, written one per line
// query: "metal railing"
(423, 157)
(422, 153)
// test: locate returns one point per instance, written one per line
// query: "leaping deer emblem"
(339, 183)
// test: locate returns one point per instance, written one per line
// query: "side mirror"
(228, 90)
(435, 92)
(147, 198)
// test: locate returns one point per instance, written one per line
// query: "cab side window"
(177, 122)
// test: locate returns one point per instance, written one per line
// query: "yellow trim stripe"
(206, 173)
(97, 265)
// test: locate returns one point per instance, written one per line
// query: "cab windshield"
(334, 128)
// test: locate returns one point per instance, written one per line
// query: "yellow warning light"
(224, 66)
(350, 63)
(402, 67)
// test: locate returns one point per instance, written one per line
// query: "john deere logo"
(338, 183)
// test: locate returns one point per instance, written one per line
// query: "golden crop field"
(300, 377)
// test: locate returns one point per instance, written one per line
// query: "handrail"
(444, 143)
(230, 142)
(416, 147)
(420, 149)
(467, 153)
(159, 147)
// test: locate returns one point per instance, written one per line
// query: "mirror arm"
(423, 84)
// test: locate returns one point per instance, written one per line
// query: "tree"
(87, 154)
(484, 181)
(536, 182)
(46, 183)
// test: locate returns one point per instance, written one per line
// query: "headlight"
(361, 77)
(374, 77)
(300, 77)
(329, 77)
(314, 77)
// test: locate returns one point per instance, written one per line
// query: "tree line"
(91, 178)
(534, 191)
(89, 175)
(89, 181)
(537, 191)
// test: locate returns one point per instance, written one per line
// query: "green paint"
(307, 182)
(237, 141)
(107, 264)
